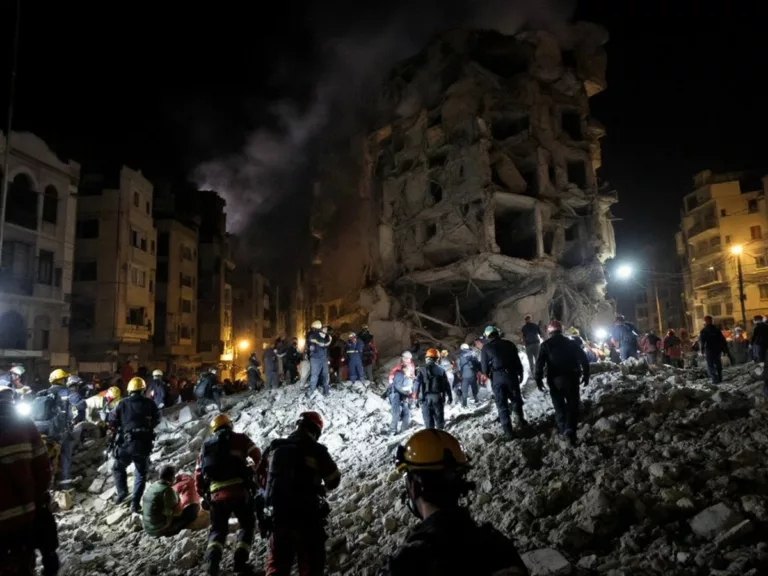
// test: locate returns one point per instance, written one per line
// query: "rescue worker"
(432, 390)
(446, 364)
(207, 390)
(254, 374)
(625, 337)
(566, 364)
(713, 344)
(17, 378)
(296, 474)
(468, 368)
(225, 482)
(759, 339)
(435, 467)
(272, 364)
(406, 361)
(651, 346)
(365, 334)
(532, 340)
(500, 362)
(98, 408)
(370, 357)
(575, 335)
(132, 426)
(157, 389)
(291, 362)
(76, 401)
(51, 415)
(673, 351)
(400, 392)
(318, 342)
(162, 512)
(354, 352)
(24, 507)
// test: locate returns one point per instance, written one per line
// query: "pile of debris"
(670, 477)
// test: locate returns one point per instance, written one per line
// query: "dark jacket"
(135, 419)
(468, 365)
(431, 549)
(365, 335)
(500, 356)
(317, 345)
(760, 340)
(76, 407)
(354, 351)
(158, 391)
(272, 361)
(625, 335)
(562, 357)
(400, 386)
(431, 379)
(712, 341)
(531, 333)
(292, 355)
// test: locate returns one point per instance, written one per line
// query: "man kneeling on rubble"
(168, 508)
(435, 467)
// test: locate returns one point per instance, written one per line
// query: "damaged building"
(475, 199)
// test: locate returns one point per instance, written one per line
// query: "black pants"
(532, 351)
(714, 366)
(433, 411)
(400, 412)
(291, 373)
(305, 545)
(123, 458)
(221, 511)
(187, 516)
(506, 391)
(466, 385)
(564, 391)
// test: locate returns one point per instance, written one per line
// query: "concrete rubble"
(678, 484)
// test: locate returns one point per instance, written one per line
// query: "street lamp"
(625, 272)
(737, 250)
(243, 345)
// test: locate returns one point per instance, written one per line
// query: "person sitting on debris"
(296, 473)
(399, 394)
(713, 345)
(354, 352)
(500, 361)
(625, 337)
(162, 512)
(435, 468)
(157, 390)
(225, 481)
(133, 428)
(207, 390)
(566, 364)
(673, 351)
(468, 369)
(531, 333)
(432, 390)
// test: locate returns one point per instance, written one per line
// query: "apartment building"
(37, 256)
(724, 220)
(113, 296)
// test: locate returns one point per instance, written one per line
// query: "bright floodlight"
(23, 409)
(737, 249)
(601, 333)
(243, 345)
(624, 272)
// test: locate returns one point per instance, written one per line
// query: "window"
(162, 272)
(57, 274)
(148, 210)
(722, 212)
(83, 315)
(21, 206)
(151, 287)
(87, 229)
(45, 339)
(185, 280)
(729, 308)
(136, 199)
(691, 203)
(728, 239)
(763, 291)
(186, 306)
(45, 267)
(138, 277)
(134, 238)
(50, 204)
(714, 241)
(186, 253)
(571, 125)
(152, 247)
(577, 173)
(135, 317)
(184, 332)
(752, 206)
(761, 261)
(85, 271)
(143, 244)
(716, 309)
(700, 310)
(755, 232)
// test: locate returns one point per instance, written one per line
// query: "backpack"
(217, 462)
(46, 413)
(430, 383)
(203, 386)
(289, 490)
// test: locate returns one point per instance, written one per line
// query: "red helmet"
(554, 326)
(312, 418)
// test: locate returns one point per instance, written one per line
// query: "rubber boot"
(212, 561)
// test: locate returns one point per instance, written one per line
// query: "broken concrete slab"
(714, 520)
(546, 562)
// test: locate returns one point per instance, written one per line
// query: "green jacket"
(159, 506)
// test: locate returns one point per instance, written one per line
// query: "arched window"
(21, 207)
(42, 336)
(50, 204)
(13, 331)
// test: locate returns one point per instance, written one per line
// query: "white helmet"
(157, 373)
(18, 370)
(213, 371)
(352, 335)
(74, 380)
(465, 346)
(407, 355)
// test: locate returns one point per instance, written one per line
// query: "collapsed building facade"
(475, 200)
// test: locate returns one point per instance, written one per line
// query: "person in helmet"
(468, 368)
(50, 412)
(318, 342)
(531, 333)
(158, 389)
(500, 362)
(400, 392)
(255, 383)
(354, 351)
(207, 390)
(624, 336)
(406, 364)
(132, 425)
(566, 364)
(225, 481)
(296, 473)
(17, 377)
(99, 408)
(432, 390)
(76, 400)
(291, 362)
(435, 469)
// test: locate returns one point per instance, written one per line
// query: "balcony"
(13, 283)
(699, 227)
(708, 279)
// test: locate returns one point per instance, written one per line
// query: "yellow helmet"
(113, 394)
(220, 421)
(444, 353)
(317, 325)
(431, 450)
(573, 331)
(57, 374)
(136, 384)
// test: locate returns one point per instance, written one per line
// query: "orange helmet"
(432, 353)
(313, 418)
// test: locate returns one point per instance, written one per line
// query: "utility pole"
(658, 307)
(742, 297)
(9, 132)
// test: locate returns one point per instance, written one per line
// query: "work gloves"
(540, 385)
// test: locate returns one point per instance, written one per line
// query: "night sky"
(170, 91)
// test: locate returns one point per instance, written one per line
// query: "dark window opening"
(58, 273)
(85, 271)
(136, 199)
(504, 65)
(186, 306)
(21, 207)
(162, 244)
(148, 210)
(435, 119)
(752, 206)
(435, 193)
(50, 204)
(577, 173)
(691, 203)
(723, 212)
(144, 244)
(549, 237)
(437, 161)
(83, 315)
(45, 267)
(333, 313)
(135, 317)
(552, 173)
(532, 182)
(87, 229)
(570, 233)
(162, 272)
(571, 125)
(569, 58)
(504, 128)
(430, 230)
(516, 233)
